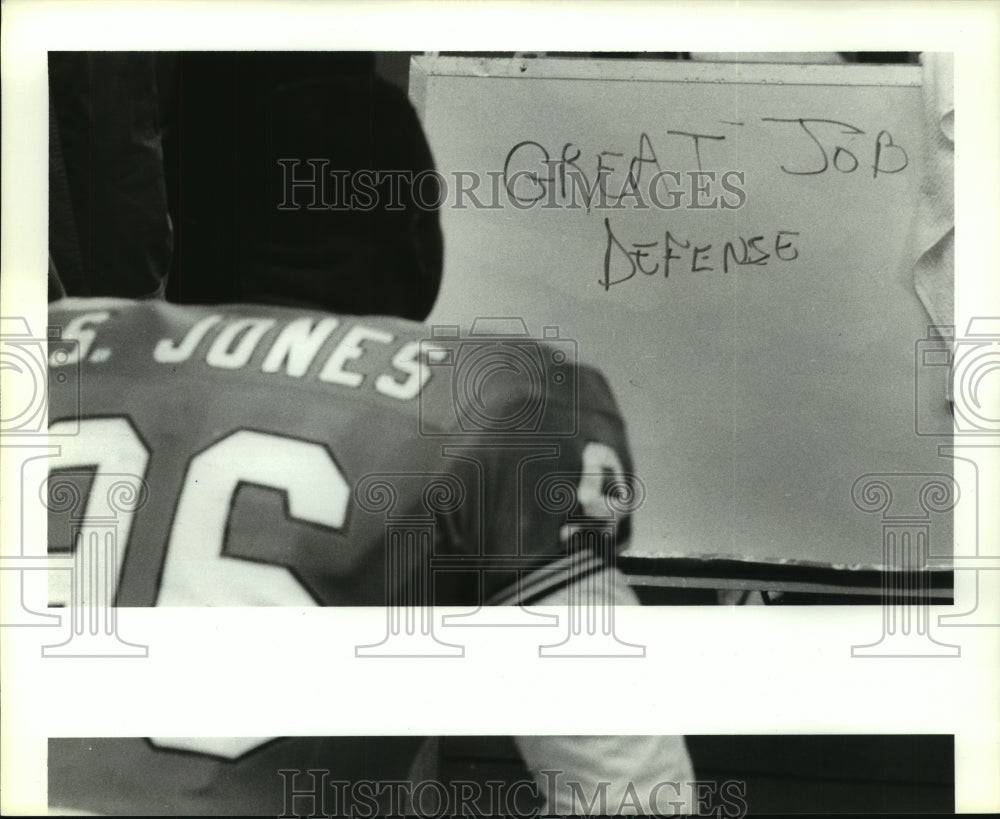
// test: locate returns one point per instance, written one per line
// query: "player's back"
(262, 450)
(250, 455)
(249, 428)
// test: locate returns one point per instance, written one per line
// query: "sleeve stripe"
(549, 579)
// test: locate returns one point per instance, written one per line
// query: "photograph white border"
(708, 669)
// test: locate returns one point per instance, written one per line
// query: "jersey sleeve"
(610, 775)
(549, 508)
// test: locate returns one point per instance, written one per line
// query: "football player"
(268, 452)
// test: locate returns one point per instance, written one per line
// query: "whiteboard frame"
(658, 71)
(666, 71)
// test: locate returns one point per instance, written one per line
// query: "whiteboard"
(761, 334)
